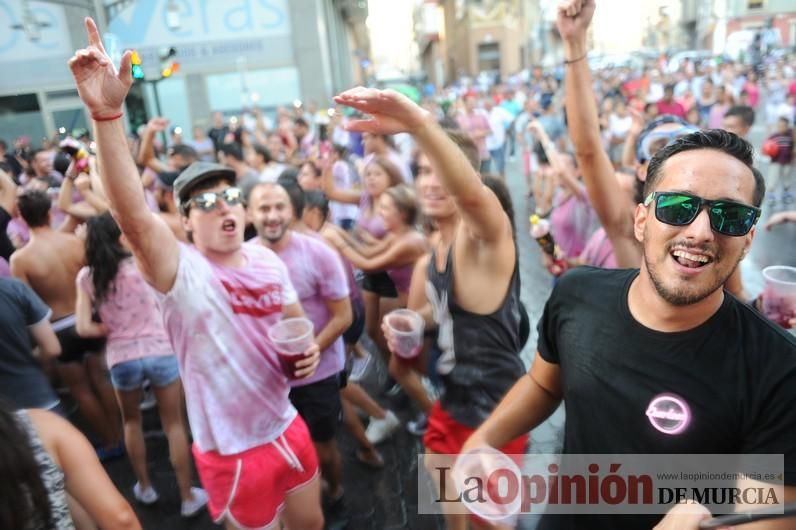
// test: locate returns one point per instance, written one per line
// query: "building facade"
(759, 14)
(232, 56)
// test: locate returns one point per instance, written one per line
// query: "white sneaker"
(380, 429)
(145, 496)
(148, 402)
(192, 507)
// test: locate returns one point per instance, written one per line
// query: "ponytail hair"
(104, 252)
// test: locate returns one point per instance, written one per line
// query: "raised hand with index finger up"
(100, 86)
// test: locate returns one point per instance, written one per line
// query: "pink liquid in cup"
(291, 338)
(779, 294)
(406, 328)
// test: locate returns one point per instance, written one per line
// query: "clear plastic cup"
(406, 327)
(779, 294)
(291, 338)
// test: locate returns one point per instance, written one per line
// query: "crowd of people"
(128, 264)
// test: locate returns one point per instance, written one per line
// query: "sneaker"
(391, 388)
(359, 368)
(787, 198)
(194, 506)
(380, 429)
(148, 402)
(418, 426)
(145, 496)
(336, 514)
(772, 199)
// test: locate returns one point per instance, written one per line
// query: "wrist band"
(576, 60)
(107, 118)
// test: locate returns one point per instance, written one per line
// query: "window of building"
(755, 4)
(489, 57)
(20, 115)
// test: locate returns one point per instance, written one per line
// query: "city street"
(387, 499)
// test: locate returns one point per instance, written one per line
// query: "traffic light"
(138, 69)
(168, 65)
(172, 68)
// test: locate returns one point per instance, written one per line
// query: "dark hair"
(405, 201)
(185, 151)
(3, 144)
(261, 150)
(233, 150)
(104, 252)
(34, 206)
(315, 168)
(24, 502)
(744, 112)
(467, 146)
(301, 122)
(342, 150)
(393, 173)
(716, 139)
(317, 199)
(669, 87)
(294, 191)
(501, 191)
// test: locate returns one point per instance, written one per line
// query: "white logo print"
(439, 307)
(669, 414)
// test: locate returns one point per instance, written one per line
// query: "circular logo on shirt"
(669, 414)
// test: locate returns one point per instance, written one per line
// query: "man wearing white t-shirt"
(253, 452)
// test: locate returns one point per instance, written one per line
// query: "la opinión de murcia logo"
(669, 414)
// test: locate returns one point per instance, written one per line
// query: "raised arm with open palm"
(390, 113)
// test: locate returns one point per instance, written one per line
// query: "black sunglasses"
(726, 217)
(208, 200)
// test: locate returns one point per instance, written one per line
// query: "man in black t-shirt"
(612, 342)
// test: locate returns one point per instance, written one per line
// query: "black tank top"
(480, 353)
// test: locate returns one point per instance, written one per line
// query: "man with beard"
(681, 335)
(317, 273)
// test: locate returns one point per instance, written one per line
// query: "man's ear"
(640, 222)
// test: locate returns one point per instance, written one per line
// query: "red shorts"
(447, 436)
(249, 488)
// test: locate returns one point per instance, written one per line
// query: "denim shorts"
(130, 375)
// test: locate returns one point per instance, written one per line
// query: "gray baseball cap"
(197, 173)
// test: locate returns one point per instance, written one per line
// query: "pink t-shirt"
(131, 314)
(217, 319)
(317, 274)
(471, 123)
(570, 223)
(599, 251)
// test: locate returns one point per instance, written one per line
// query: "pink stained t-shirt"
(131, 314)
(570, 223)
(317, 274)
(217, 319)
(599, 251)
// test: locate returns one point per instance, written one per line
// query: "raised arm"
(550, 150)
(584, 129)
(103, 90)
(333, 192)
(392, 113)
(146, 153)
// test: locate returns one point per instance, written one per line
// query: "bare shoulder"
(51, 429)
